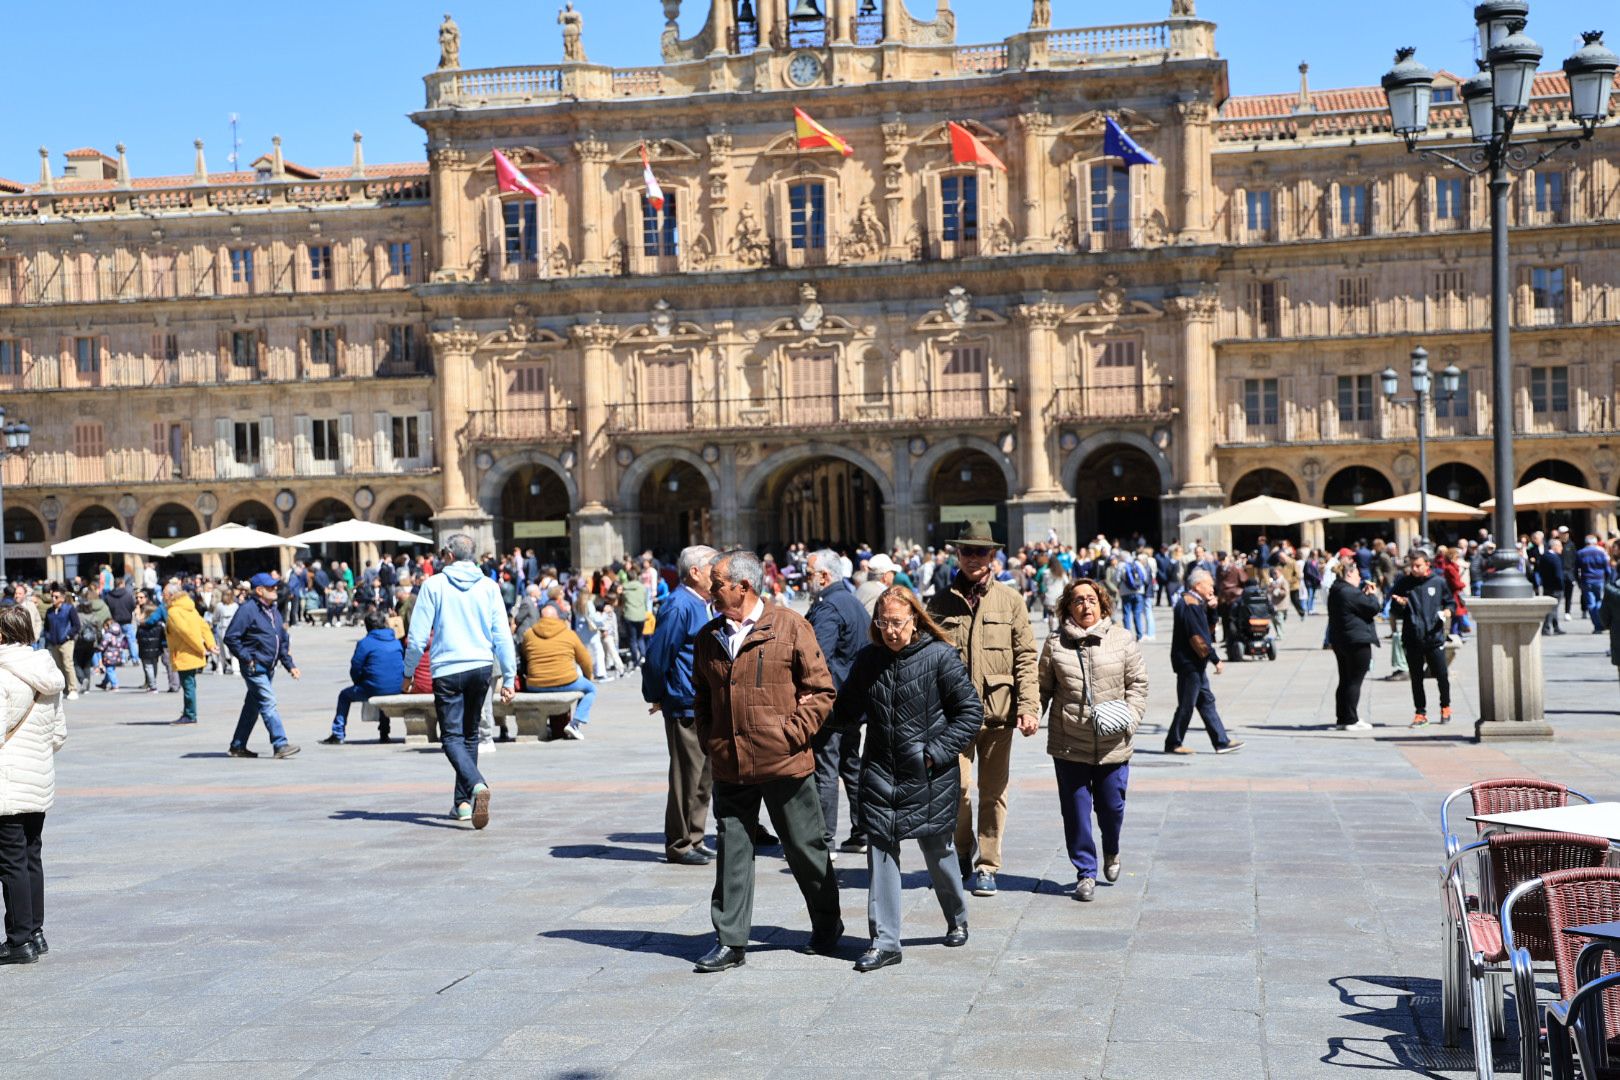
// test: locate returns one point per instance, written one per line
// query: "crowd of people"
(903, 683)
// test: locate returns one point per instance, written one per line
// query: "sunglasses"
(977, 552)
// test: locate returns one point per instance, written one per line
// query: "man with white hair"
(880, 571)
(666, 685)
(461, 610)
(842, 625)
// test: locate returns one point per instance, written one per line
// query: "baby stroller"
(1254, 620)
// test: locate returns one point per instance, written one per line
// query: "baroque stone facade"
(800, 344)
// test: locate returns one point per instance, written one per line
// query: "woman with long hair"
(911, 690)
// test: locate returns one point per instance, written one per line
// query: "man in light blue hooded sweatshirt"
(461, 610)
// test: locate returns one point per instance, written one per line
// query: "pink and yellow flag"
(813, 136)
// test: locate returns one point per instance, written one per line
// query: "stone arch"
(168, 509)
(306, 525)
(23, 526)
(1265, 481)
(92, 517)
(254, 509)
(766, 469)
(924, 467)
(636, 475)
(1554, 467)
(489, 489)
(1114, 437)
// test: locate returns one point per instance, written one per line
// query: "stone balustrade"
(232, 197)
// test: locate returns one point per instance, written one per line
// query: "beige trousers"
(982, 845)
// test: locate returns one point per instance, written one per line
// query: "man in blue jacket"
(258, 639)
(461, 610)
(61, 631)
(1550, 576)
(377, 667)
(666, 685)
(1593, 564)
(842, 625)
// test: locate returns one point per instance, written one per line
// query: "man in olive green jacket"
(989, 625)
(633, 606)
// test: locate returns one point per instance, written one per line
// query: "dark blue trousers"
(1082, 791)
(459, 701)
(1193, 692)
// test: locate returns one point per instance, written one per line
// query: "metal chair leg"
(1496, 998)
(1451, 1006)
(1529, 1039)
(1479, 1024)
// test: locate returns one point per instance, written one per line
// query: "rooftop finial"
(1304, 103)
(123, 167)
(278, 165)
(200, 172)
(359, 167)
(44, 169)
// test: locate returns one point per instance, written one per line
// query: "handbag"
(1112, 719)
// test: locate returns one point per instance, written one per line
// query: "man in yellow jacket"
(191, 639)
(556, 661)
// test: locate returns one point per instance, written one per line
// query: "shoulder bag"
(1112, 719)
(21, 720)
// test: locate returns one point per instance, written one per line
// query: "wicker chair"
(1569, 898)
(1503, 796)
(1477, 958)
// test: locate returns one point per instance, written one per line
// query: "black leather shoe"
(25, 953)
(720, 958)
(691, 858)
(956, 938)
(705, 850)
(39, 942)
(242, 751)
(874, 958)
(824, 944)
(763, 837)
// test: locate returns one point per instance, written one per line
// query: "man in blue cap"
(257, 637)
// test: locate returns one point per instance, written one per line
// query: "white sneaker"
(1359, 725)
(572, 731)
(73, 695)
(486, 746)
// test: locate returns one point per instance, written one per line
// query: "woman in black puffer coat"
(920, 709)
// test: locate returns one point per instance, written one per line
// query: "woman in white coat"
(32, 730)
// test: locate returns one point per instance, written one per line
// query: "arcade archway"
(1347, 491)
(966, 486)
(254, 515)
(676, 508)
(533, 513)
(1459, 483)
(25, 545)
(1579, 521)
(1116, 495)
(1277, 485)
(93, 519)
(326, 512)
(169, 524)
(411, 514)
(823, 502)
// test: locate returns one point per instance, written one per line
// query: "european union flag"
(1117, 144)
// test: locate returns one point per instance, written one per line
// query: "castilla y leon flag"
(655, 194)
(812, 135)
(968, 149)
(509, 178)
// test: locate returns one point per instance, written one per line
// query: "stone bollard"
(1512, 686)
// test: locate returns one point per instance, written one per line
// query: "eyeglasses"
(893, 624)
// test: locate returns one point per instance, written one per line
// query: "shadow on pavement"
(605, 851)
(435, 821)
(149, 723)
(208, 754)
(1396, 1004)
(686, 947)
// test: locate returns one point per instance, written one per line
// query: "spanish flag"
(812, 135)
(968, 149)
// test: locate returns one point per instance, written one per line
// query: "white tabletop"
(1588, 819)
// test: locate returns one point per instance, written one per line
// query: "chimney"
(200, 173)
(359, 167)
(123, 167)
(44, 169)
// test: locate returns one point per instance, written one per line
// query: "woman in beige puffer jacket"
(32, 730)
(1092, 769)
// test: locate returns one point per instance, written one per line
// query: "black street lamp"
(1497, 99)
(1422, 383)
(17, 434)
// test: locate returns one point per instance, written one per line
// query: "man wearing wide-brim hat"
(989, 625)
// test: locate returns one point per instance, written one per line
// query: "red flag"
(509, 178)
(968, 149)
(655, 194)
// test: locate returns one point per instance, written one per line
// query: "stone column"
(894, 178)
(765, 12)
(840, 17)
(1037, 130)
(1511, 682)
(446, 164)
(1040, 505)
(1192, 441)
(594, 537)
(720, 12)
(1194, 172)
(453, 359)
(593, 159)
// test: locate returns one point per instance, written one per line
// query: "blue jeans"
(1592, 601)
(582, 711)
(346, 699)
(1082, 789)
(260, 701)
(1131, 614)
(459, 701)
(1193, 691)
(129, 643)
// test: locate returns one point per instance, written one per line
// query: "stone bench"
(534, 717)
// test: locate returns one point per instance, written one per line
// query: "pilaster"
(593, 161)
(1196, 171)
(595, 340)
(453, 355)
(1037, 128)
(1037, 442)
(1197, 386)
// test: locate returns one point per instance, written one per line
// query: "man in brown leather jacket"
(989, 626)
(761, 690)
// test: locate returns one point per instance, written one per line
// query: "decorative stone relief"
(958, 305)
(749, 244)
(867, 237)
(811, 313)
(662, 319)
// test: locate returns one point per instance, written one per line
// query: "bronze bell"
(745, 12)
(868, 8)
(807, 11)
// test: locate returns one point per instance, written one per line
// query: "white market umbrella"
(1265, 510)
(1407, 506)
(228, 538)
(1545, 494)
(355, 531)
(112, 541)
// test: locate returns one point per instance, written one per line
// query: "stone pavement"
(319, 917)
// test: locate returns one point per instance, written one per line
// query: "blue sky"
(316, 72)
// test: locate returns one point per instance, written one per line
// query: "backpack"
(88, 634)
(1134, 576)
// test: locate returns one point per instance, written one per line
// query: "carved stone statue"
(810, 312)
(1182, 9)
(573, 24)
(748, 242)
(1041, 17)
(449, 44)
(958, 305)
(867, 236)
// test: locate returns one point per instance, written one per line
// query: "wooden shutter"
(544, 238)
(269, 461)
(1239, 216)
(424, 439)
(382, 450)
(303, 444)
(813, 387)
(1236, 423)
(224, 448)
(494, 238)
(346, 442)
